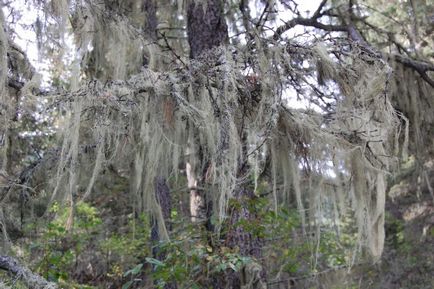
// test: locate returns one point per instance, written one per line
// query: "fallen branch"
(32, 280)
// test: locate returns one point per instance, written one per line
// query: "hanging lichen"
(4, 101)
(151, 119)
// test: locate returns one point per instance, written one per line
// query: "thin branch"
(163, 35)
(311, 22)
(263, 14)
(317, 13)
(420, 66)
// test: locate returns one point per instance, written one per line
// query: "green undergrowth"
(84, 247)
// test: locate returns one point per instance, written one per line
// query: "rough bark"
(206, 28)
(252, 276)
(162, 194)
(150, 7)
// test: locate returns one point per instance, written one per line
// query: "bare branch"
(163, 35)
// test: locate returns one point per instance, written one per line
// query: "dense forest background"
(217, 144)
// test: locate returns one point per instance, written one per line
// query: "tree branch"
(421, 67)
(14, 83)
(317, 13)
(32, 280)
(310, 22)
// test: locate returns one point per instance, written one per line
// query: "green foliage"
(185, 261)
(127, 248)
(295, 253)
(395, 233)
(132, 273)
(64, 239)
(76, 232)
(188, 256)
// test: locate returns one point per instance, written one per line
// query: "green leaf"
(127, 285)
(134, 271)
(155, 262)
(232, 266)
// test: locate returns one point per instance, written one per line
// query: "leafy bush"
(64, 239)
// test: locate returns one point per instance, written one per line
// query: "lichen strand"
(4, 99)
(114, 48)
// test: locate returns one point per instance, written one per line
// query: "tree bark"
(162, 194)
(252, 276)
(150, 27)
(206, 28)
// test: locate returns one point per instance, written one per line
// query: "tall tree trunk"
(253, 275)
(162, 191)
(150, 27)
(162, 194)
(206, 28)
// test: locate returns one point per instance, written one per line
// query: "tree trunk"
(150, 27)
(253, 275)
(162, 191)
(162, 194)
(207, 29)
